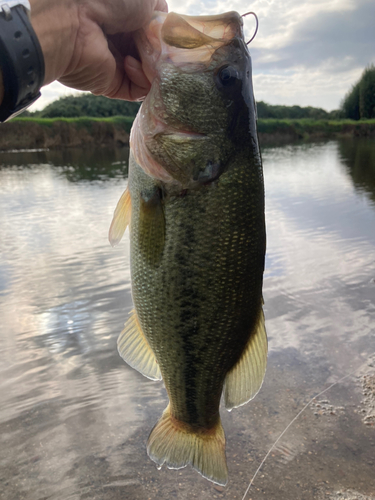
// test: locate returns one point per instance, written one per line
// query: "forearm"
(88, 44)
(56, 26)
(1, 87)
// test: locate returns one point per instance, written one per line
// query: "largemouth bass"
(195, 208)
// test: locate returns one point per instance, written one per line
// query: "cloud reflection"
(319, 240)
(74, 418)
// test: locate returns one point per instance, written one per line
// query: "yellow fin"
(151, 226)
(177, 444)
(121, 218)
(245, 379)
(136, 351)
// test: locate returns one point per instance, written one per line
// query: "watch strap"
(21, 60)
(9, 4)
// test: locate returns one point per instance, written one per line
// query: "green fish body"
(195, 207)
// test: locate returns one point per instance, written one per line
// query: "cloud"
(306, 52)
(345, 39)
(52, 92)
(306, 88)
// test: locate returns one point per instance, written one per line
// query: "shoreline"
(277, 132)
(58, 133)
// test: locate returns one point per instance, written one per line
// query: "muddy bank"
(275, 132)
(56, 134)
(344, 495)
(34, 133)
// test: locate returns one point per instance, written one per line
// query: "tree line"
(73, 106)
(102, 107)
(294, 112)
(359, 102)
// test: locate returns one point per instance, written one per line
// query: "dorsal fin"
(245, 379)
(136, 351)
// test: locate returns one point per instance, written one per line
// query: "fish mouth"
(145, 139)
(182, 135)
(185, 40)
(159, 138)
(151, 127)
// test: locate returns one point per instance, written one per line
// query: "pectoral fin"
(135, 350)
(121, 218)
(151, 226)
(246, 377)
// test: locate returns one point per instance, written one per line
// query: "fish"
(194, 205)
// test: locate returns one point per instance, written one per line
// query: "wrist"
(21, 59)
(56, 26)
(1, 87)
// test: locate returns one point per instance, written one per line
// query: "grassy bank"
(55, 133)
(30, 133)
(79, 122)
(271, 130)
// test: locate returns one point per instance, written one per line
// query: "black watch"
(21, 59)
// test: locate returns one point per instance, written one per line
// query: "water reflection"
(321, 244)
(359, 157)
(74, 418)
(76, 164)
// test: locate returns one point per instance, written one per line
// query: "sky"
(306, 52)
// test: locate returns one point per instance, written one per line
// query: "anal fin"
(245, 379)
(135, 350)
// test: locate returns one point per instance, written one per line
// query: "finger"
(124, 88)
(123, 16)
(161, 5)
(124, 43)
(133, 68)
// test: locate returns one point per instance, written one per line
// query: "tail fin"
(177, 444)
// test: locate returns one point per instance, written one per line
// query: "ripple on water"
(74, 419)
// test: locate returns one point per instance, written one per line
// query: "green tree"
(359, 102)
(350, 103)
(290, 112)
(89, 105)
(367, 93)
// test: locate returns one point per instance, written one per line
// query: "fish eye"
(228, 76)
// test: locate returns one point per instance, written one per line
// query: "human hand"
(88, 44)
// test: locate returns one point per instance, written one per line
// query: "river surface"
(74, 418)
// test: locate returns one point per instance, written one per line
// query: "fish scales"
(195, 208)
(198, 305)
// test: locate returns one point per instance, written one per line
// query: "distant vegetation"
(88, 132)
(87, 105)
(86, 120)
(294, 112)
(102, 107)
(359, 102)
(317, 129)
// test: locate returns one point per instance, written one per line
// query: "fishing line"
(291, 423)
(256, 28)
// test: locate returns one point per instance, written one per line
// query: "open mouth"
(184, 40)
(162, 139)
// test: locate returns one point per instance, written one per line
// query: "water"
(74, 419)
